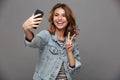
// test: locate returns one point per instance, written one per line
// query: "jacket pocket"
(53, 49)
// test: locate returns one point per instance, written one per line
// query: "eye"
(63, 15)
(56, 14)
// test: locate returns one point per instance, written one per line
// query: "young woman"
(58, 49)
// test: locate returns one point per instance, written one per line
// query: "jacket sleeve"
(76, 53)
(38, 41)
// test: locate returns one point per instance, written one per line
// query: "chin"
(60, 27)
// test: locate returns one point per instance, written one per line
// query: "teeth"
(60, 22)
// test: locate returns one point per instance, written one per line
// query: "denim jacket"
(51, 56)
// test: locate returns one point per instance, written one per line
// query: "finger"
(73, 37)
(38, 19)
(38, 22)
(37, 15)
(70, 42)
(68, 46)
(35, 25)
(68, 35)
(33, 14)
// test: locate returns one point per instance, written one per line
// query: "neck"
(60, 34)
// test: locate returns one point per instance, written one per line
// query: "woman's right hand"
(32, 21)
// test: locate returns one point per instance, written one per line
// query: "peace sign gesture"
(69, 44)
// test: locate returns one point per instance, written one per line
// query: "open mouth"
(60, 23)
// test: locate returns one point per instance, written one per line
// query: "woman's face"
(59, 19)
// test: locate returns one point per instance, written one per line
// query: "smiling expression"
(59, 19)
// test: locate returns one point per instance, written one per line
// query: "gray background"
(99, 21)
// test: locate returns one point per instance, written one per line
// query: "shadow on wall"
(117, 76)
(117, 2)
(2, 2)
(2, 76)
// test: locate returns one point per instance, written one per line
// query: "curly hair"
(71, 26)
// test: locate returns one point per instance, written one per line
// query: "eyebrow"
(58, 13)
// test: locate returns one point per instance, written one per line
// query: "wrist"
(72, 66)
(25, 28)
(69, 52)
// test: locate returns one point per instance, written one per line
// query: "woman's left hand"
(69, 44)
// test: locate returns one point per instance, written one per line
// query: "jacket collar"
(54, 38)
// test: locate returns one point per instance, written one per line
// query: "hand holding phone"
(38, 12)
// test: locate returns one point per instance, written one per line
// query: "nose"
(59, 17)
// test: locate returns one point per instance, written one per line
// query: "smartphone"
(37, 11)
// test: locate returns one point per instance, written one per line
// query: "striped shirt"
(61, 75)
